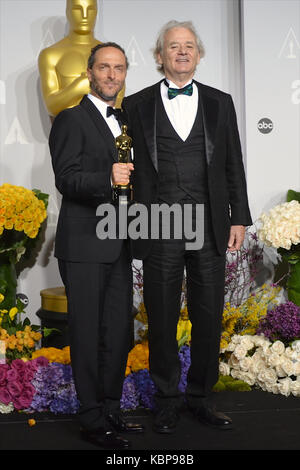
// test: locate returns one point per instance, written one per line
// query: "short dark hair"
(91, 59)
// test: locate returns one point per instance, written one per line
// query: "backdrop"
(252, 51)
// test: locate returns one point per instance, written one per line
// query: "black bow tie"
(173, 92)
(117, 112)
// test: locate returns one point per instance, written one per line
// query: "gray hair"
(167, 27)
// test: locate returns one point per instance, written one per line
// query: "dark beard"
(98, 91)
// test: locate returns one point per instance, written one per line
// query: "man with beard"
(96, 273)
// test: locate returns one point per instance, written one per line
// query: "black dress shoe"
(120, 425)
(209, 416)
(166, 420)
(105, 439)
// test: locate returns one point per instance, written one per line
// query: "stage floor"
(262, 421)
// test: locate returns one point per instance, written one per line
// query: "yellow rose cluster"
(22, 340)
(54, 354)
(281, 226)
(20, 210)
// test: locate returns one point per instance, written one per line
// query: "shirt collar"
(100, 105)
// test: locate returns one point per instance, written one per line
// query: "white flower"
(284, 386)
(296, 345)
(240, 351)
(273, 388)
(288, 366)
(224, 368)
(272, 358)
(297, 368)
(295, 388)
(267, 375)
(257, 365)
(281, 227)
(245, 363)
(5, 409)
(278, 347)
(234, 362)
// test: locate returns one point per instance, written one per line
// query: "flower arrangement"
(256, 360)
(54, 354)
(19, 337)
(280, 229)
(281, 323)
(281, 226)
(22, 213)
(37, 385)
(244, 319)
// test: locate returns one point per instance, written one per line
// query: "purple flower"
(281, 323)
(145, 387)
(130, 398)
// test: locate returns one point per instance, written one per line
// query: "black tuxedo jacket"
(225, 171)
(83, 151)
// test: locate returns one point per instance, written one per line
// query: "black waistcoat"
(182, 168)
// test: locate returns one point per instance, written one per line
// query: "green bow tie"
(172, 92)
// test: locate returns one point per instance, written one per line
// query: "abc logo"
(265, 125)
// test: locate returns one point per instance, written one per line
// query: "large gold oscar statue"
(63, 65)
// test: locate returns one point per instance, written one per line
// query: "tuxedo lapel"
(101, 126)
(210, 112)
(147, 110)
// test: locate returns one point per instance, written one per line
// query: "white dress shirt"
(111, 121)
(181, 110)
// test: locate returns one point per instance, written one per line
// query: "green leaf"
(293, 196)
(42, 196)
(49, 331)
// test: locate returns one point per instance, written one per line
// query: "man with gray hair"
(186, 151)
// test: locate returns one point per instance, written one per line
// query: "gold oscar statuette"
(63, 65)
(123, 194)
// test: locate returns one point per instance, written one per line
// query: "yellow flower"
(13, 312)
(138, 358)
(1, 298)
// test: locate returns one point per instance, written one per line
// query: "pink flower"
(3, 373)
(14, 388)
(5, 396)
(25, 399)
(12, 375)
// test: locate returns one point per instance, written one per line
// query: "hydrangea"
(281, 227)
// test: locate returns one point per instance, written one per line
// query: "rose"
(5, 396)
(224, 368)
(245, 363)
(246, 342)
(18, 365)
(278, 347)
(273, 388)
(26, 397)
(14, 388)
(256, 365)
(234, 362)
(267, 375)
(296, 345)
(12, 375)
(272, 359)
(284, 386)
(288, 366)
(295, 388)
(240, 351)
(3, 373)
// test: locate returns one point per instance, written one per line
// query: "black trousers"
(205, 276)
(100, 314)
